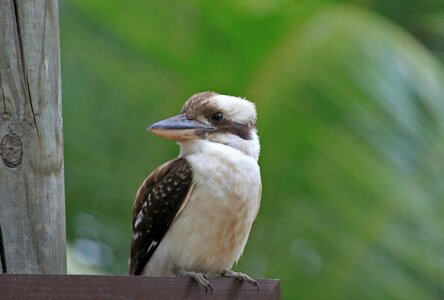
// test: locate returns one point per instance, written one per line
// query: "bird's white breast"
(210, 233)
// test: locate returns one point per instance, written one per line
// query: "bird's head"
(216, 118)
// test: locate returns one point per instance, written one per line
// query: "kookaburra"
(192, 215)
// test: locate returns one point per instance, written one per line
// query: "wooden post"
(32, 210)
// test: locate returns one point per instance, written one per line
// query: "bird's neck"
(227, 143)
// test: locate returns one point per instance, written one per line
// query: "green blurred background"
(351, 119)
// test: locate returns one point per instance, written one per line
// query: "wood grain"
(128, 287)
(32, 213)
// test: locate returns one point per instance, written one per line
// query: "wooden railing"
(129, 287)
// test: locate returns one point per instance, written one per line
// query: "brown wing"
(157, 203)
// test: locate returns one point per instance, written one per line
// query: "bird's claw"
(241, 276)
(203, 282)
(200, 278)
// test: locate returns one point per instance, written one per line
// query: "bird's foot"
(240, 276)
(200, 278)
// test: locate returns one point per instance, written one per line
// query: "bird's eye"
(217, 117)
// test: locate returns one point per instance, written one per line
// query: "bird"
(192, 215)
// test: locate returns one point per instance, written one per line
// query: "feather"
(157, 204)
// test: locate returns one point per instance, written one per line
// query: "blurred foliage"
(351, 119)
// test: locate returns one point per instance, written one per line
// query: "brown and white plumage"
(192, 215)
(157, 203)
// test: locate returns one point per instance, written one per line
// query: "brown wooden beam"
(17, 286)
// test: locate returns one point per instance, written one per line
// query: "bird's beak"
(179, 128)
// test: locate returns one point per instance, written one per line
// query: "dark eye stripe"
(241, 130)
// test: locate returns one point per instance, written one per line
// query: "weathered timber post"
(32, 209)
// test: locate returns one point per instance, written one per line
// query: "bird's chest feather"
(227, 181)
(217, 219)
